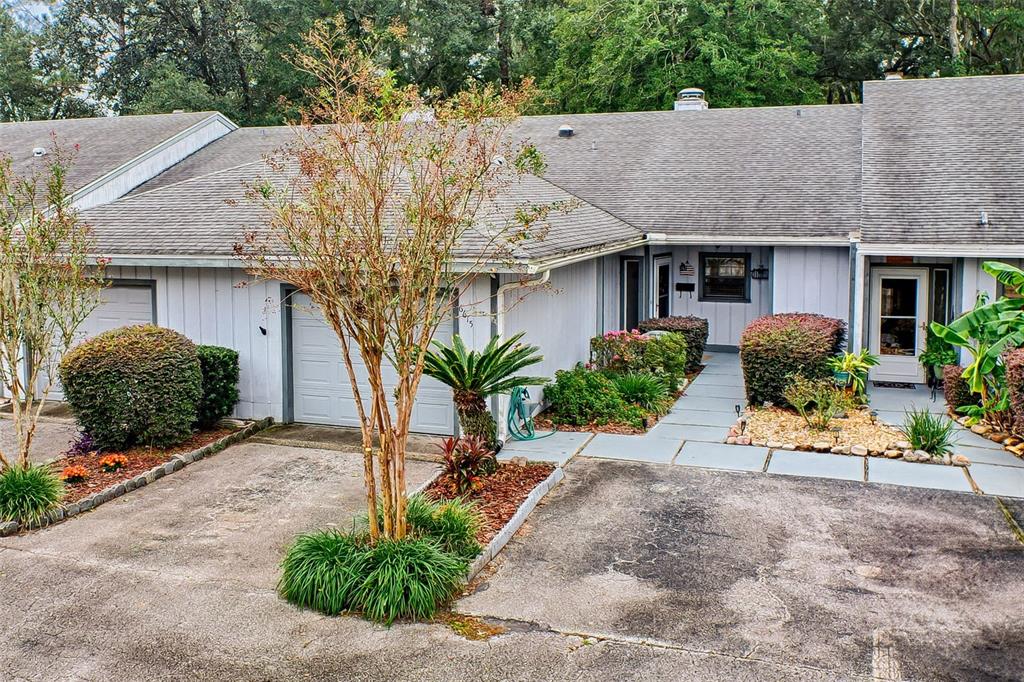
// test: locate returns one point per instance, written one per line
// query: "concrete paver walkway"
(693, 434)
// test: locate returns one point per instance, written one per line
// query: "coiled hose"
(519, 420)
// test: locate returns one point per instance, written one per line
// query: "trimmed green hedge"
(1015, 384)
(134, 385)
(693, 329)
(958, 394)
(775, 347)
(220, 383)
(581, 396)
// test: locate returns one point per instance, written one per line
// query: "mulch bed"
(500, 495)
(140, 460)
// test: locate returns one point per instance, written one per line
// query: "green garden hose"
(519, 421)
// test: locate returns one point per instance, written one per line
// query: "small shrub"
(111, 463)
(26, 493)
(139, 384)
(933, 433)
(645, 390)
(453, 524)
(466, 461)
(323, 570)
(774, 348)
(407, 578)
(83, 444)
(667, 358)
(219, 367)
(817, 401)
(958, 393)
(75, 473)
(581, 396)
(1015, 386)
(620, 351)
(693, 329)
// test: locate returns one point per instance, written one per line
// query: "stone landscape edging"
(499, 541)
(175, 463)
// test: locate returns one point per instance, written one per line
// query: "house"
(879, 213)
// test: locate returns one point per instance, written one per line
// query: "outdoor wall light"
(760, 272)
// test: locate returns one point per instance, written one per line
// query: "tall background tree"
(147, 56)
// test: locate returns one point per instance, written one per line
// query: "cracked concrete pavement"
(631, 571)
(833, 576)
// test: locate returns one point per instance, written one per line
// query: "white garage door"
(323, 393)
(120, 305)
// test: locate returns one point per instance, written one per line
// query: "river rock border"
(175, 463)
(898, 450)
(499, 541)
(1011, 443)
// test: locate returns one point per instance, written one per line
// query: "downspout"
(499, 332)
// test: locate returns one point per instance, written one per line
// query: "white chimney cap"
(691, 99)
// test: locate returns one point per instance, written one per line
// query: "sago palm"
(475, 375)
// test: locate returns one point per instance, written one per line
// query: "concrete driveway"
(52, 438)
(814, 577)
(728, 577)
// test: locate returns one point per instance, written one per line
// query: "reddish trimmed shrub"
(958, 394)
(693, 329)
(1015, 384)
(775, 347)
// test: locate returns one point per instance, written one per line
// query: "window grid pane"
(725, 277)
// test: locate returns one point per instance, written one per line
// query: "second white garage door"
(322, 391)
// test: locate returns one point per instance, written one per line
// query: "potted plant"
(937, 354)
(851, 371)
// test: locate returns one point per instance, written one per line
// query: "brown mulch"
(140, 460)
(499, 497)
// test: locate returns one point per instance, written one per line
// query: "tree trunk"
(953, 34)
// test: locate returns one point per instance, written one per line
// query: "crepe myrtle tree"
(48, 286)
(380, 210)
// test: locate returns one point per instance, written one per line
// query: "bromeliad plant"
(855, 367)
(466, 461)
(475, 375)
(986, 332)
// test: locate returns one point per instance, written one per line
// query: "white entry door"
(899, 311)
(322, 392)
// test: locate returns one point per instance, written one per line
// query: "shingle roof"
(104, 144)
(767, 172)
(208, 214)
(938, 152)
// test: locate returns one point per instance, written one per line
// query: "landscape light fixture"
(836, 430)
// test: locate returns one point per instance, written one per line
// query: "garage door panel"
(322, 393)
(121, 305)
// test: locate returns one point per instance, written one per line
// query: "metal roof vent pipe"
(565, 131)
(691, 99)
(38, 151)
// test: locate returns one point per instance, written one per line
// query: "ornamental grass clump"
(933, 433)
(27, 493)
(335, 572)
(645, 390)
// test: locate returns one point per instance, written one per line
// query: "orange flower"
(113, 462)
(74, 474)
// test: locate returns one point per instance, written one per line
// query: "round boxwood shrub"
(134, 385)
(775, 347)
(220, 383)
(694, 330)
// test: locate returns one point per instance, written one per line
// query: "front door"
(631, 292)
(663, 286)
(899, 311)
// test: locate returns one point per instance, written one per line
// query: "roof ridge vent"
(691, 99)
